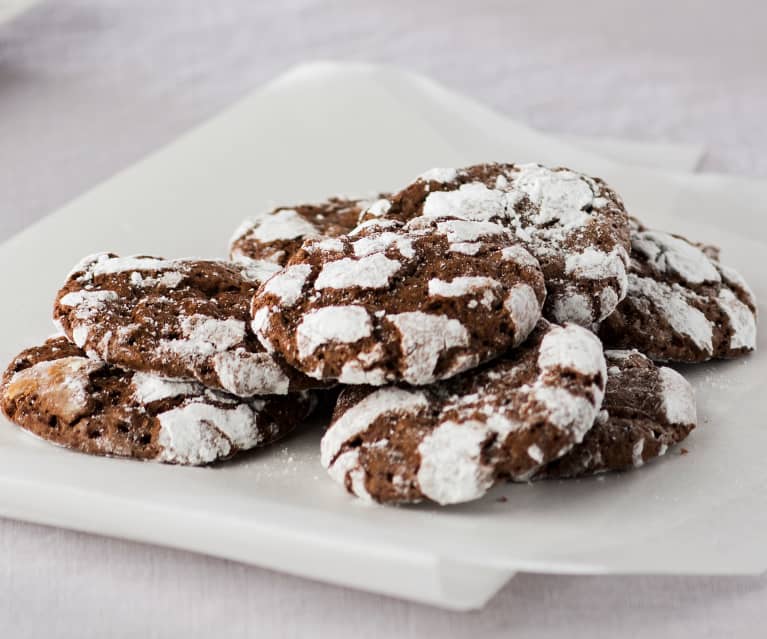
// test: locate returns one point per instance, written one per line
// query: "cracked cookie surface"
(179, 319)
(271, 239)
(394, 302)
(646, 410)
(57, 393)
(451, 441)
(683, 304)
(575, 225)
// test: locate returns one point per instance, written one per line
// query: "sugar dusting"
(678, 397)
(524, 310)
(288, 284)
(671, 300)
(741, 318)
(339, 324)
(373, 271)
(559, 206)
(281, 225)
(359, 417)
(452, 466)
(424, 339)
(452, 470)
(673, 255)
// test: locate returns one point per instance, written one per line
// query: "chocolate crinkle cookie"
(393, 302)
(271, 239)
(575, 225)
(59, 394)
(451, 441)
(646, 410)
(683, 305)
(178, 319)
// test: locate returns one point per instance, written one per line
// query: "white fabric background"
(88, 87)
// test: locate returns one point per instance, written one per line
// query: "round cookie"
(391, 302)
(682, 304)
(179, 319)
(451, 441)
(57, 393)
(575, 225)
(272, 239)
(646, 410)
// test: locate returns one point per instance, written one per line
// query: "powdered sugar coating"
(288, 283)
(394, 303)
(522, 307)
(283, 225)
(449, 442)
(361, 415)
(150, 388)
(568, 347)
(371, 271)
(198, 432)
(473, 201)
(58, 393)
(379, 207)
(452, 469)
(438, 175)
(106, 264)
(673, 302)
(592, 264)
(466, 231)
(344, 324)
(467, 248)
(573, 224)
(460, 286)
(575, 306)
(678, 397)
(180, 319)
(369, 245)
(273, 237)
(673, 255)
(424, 339)
(682, 305)
(346, 471)
(741, 318)
(246, 373)
(646, 410)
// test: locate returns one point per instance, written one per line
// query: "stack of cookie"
(466, 316)
(463, 320)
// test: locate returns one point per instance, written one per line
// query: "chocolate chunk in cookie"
(646, 410)
(451, 441)
(400, 303)
(57, 393)
(272, 239)
(683, 305)
(575, 225)
(179, 319)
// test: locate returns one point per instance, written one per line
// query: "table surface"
(89, 87)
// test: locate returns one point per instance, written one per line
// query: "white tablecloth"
(88, 87)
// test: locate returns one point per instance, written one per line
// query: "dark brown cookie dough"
(682, 305)
(646, 410)
(276, 236)
(392, 302)
(449, 442)
(575, 225)
(57, 393)
(179, 319)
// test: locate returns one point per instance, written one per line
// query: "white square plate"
(324, 129)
